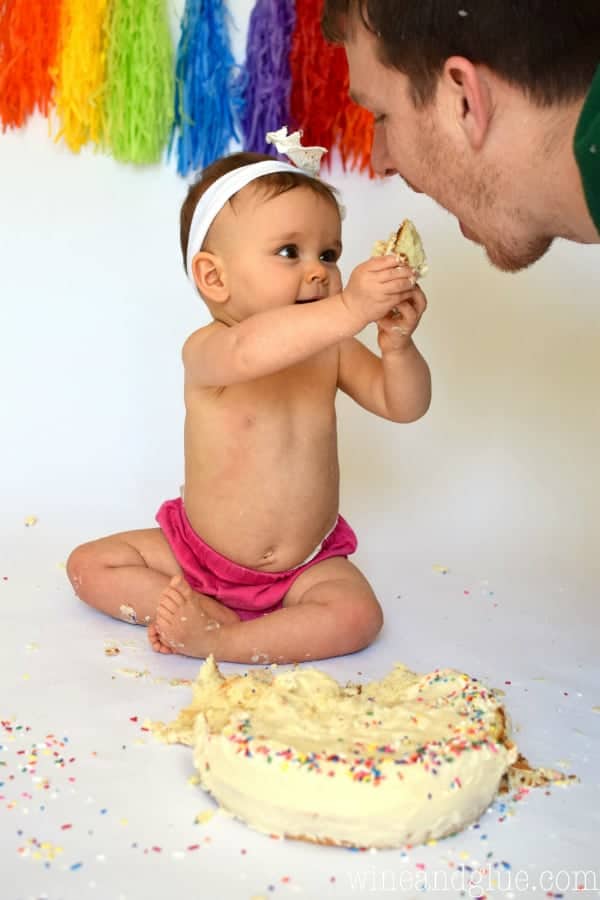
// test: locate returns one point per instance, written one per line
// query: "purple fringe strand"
(265, 82)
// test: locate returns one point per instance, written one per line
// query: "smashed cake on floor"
(399, 761)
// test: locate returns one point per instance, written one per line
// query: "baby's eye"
(330, 256)
(379, 119)
(290, 251)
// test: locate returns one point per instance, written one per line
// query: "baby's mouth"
(308, 300)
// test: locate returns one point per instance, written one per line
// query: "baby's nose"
(317, 272)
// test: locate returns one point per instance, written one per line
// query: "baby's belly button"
(276, 559)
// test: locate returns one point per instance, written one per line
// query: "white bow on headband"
(306, 158)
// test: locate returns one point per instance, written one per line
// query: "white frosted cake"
(399, 761)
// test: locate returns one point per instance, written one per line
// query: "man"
(492, 107)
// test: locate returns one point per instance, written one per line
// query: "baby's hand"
(375, 287)
(396, 328)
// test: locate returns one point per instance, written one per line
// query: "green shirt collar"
(586, 147)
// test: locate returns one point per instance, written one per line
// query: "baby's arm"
(397, 386)
(272, 340)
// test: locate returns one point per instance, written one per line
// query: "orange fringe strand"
(80, 71)
(28, 38)
(320, 105)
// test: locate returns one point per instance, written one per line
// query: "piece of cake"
(403, 760)
(406, 243)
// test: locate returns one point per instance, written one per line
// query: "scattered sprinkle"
(204, 817)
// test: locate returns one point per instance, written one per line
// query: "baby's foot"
(186, 621)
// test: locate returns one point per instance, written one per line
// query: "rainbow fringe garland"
(110, 72)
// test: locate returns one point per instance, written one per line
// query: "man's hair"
(270, 185)
(549, 48)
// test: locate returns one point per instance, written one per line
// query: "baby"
(251, 564)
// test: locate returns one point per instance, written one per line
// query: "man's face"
(429, 149)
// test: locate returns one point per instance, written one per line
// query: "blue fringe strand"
(206, 101)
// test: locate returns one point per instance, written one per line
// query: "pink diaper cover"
(248, 592)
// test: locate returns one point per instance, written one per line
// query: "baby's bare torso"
(261, 464)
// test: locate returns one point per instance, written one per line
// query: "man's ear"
(469, 90)
(209, 276)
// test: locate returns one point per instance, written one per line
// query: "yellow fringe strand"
(80, 72)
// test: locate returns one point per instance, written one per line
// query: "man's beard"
(519, 257)
(457, 188)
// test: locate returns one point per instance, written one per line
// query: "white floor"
(91, 806)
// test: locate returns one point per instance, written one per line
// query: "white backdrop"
(499, 482)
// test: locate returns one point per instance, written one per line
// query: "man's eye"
(329, 256)
(290, 251)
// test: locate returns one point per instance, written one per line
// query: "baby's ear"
(209, 276)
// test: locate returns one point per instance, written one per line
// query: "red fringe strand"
(320, 105)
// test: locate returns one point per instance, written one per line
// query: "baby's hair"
(272, 185)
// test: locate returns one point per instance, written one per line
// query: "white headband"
(216, 196)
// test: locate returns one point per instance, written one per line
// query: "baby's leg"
(124, 574)
(336, 610)
(330, 610)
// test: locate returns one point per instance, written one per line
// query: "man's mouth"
(308, 300)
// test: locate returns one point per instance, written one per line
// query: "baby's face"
(279, 250)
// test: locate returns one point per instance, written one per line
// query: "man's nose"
(380, 160)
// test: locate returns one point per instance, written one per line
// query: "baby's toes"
(156, 641)
(170, 601)
(180, 585)
(164, 618)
